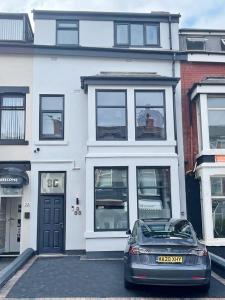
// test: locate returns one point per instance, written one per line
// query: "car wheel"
(128, 285)
(205, 287)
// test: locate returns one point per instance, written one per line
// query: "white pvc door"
(13, 224)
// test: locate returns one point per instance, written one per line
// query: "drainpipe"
(174, 103)
(170, 33)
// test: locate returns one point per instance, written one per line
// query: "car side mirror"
(128, 232)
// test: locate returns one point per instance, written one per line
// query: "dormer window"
(137, 34)
(15, 28)
(67, 33)
(195, 44)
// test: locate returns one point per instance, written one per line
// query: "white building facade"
(106, 128)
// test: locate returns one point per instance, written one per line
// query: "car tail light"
(200, 252)
(135, 250)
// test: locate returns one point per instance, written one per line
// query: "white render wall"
(17, 70)
(61, 75)
(99, 34)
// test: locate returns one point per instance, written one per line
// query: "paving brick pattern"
(68, 276)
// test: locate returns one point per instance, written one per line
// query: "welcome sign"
(8, 180)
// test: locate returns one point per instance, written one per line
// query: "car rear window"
(167, 232)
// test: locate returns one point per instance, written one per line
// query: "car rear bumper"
(168, 275)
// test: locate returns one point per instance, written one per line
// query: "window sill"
(106, 234)
(142, 143)
(13, 142)
(51, 143)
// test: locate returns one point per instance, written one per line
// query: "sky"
(194, 13)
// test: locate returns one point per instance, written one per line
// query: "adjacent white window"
(216, 120)
(218, 205)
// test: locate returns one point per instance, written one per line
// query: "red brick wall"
(190, 74)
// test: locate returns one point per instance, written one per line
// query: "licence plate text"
(170, 259)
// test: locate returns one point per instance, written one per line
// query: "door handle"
(61, 225)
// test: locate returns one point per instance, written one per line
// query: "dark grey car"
(163, 252)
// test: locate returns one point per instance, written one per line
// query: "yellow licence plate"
(170, 259)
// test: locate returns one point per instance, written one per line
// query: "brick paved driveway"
(69, 276)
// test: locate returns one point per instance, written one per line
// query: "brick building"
(203, 107)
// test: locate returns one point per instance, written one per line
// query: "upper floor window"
(12, 117)
(51, 117)
(150, 115)
(216, 119)
(111, 115)
(67, 33)
(137, 34)
(195, 43)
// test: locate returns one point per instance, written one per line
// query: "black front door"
(51, 224)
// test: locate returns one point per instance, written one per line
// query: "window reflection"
(111, 199)
(150, 115)
(111, 115)
(154, 199)
(218, 205)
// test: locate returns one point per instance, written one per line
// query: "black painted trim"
(11, 48)
(23, 165)
(130, 80)
(104, 16)
(205, 159)
(14, 142)
(14, 89)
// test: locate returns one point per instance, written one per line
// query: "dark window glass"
(111, 199)
(194, 44)
(216, 119)
(111, 115)
(12, 117)
(153, 190)
(67, 33)
(137, 34)
(51, 117)
(122, 34)
(150, 115)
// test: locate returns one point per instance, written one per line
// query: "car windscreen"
(180, 233)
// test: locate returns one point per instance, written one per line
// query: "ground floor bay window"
(218, 206)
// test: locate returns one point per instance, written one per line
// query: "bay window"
(218, 205)
(12, 117)
(153, 192)
(111, 198)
